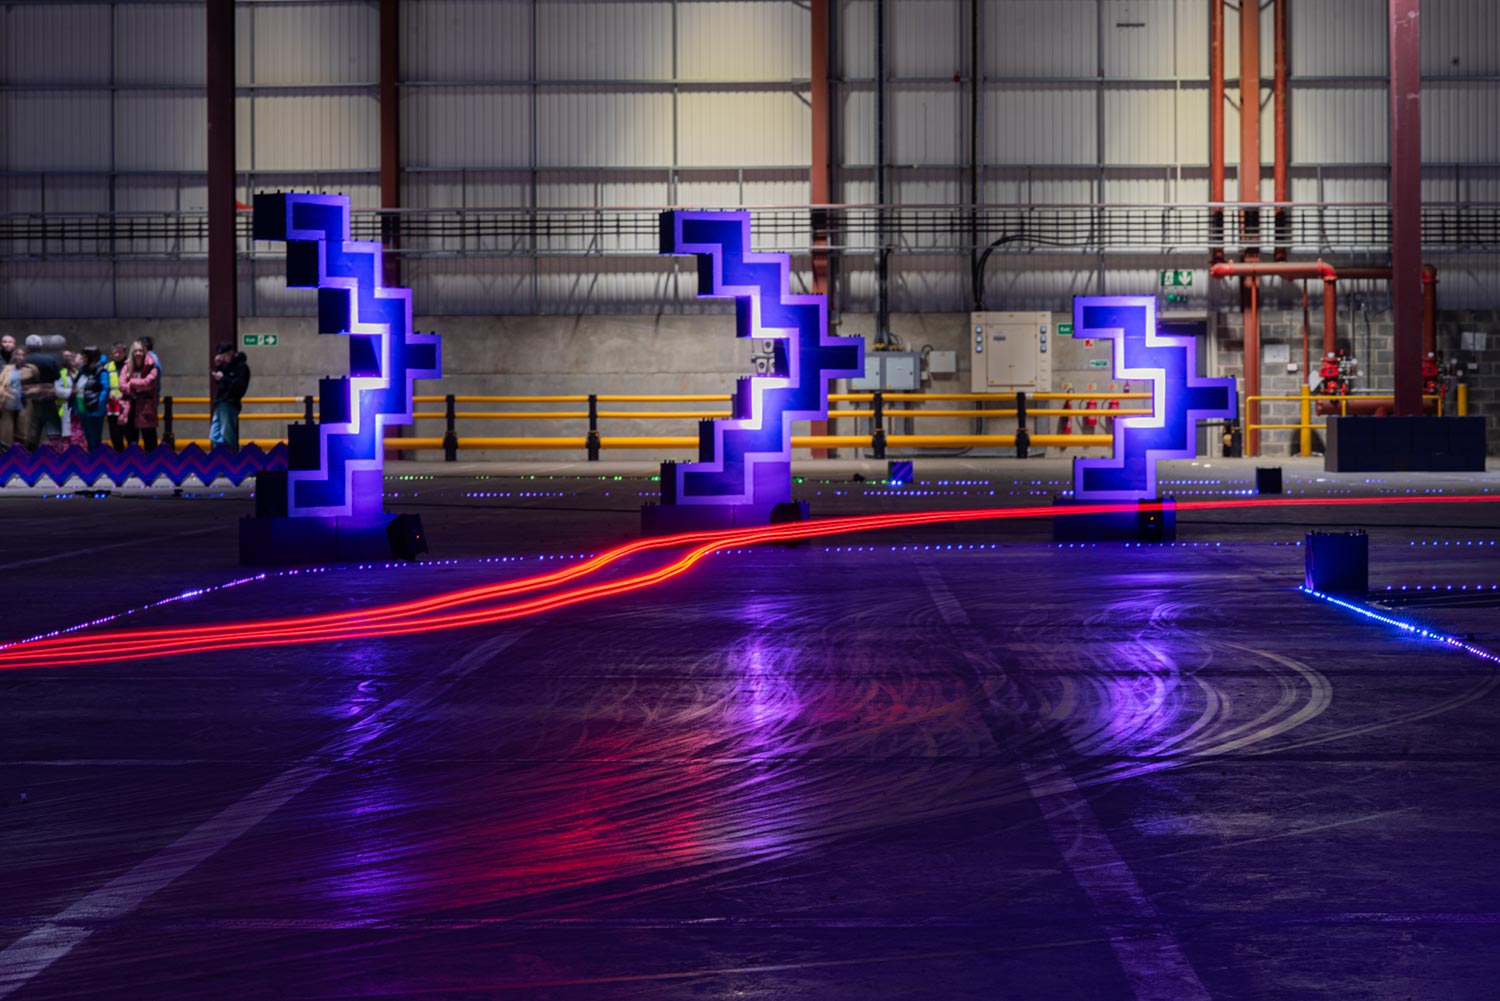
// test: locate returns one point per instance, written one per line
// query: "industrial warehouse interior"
(594, 499)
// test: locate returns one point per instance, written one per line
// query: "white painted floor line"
(1148, 954)
(44, 945)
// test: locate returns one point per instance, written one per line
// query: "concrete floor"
(949, 762)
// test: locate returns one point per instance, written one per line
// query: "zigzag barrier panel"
(59, 466)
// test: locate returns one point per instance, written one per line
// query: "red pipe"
(1330, 315)
(1252, 363)
(1281, 88)
(1250, 122)
(1216, 124)
(1429, 310)
(1405, 93)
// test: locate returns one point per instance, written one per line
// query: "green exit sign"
(1065, 330)
(1176, 279)
(259, 340)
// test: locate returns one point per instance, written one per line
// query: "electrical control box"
(897, 371)
(1011, 352)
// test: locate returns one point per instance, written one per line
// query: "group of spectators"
(54, 395)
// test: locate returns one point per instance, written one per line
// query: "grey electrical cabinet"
(1011, 352)
(897, 371)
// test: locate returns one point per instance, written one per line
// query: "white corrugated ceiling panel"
(54, 43)
(1039, 124)
(1338, 124)
(577, 128)
(55, 130)
(479, 40)
(161, 130)
(743, 128)
(1138, 38)
(312, 44)
(317, 132)
(1460, 37)
(928, 38)
(1460, 122)
(1040, 38)
(738, 40)
(580, 40)
(160, 44)
(1139, 125)
(929, 125)
(465, 127)
(1337, 38)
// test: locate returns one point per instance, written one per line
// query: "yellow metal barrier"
(1306, 398)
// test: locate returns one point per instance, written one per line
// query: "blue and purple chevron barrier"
(744, 468)
(105, 464)
(331, 506)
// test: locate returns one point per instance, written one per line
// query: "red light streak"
(443, 611)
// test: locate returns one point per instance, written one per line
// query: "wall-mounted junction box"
(1011, 352)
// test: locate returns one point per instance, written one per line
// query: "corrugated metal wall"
(514, 103)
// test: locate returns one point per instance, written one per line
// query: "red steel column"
(1281, 88)
(1250, 121)
(820, 183)
(1406, 202)
(223, 290)
(1216, 125)
(390, 133)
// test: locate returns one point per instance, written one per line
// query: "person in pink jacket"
(140, 386)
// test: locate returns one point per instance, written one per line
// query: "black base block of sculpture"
(1405, 444)
(672, 519)
(1145, 522)
(280, 541)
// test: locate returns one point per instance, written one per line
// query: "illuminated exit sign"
(1176, 279)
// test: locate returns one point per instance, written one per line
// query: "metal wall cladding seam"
(1035, 123)
(303, 132)
(600, 285)
(1139, 125)
(1025, 187)
(55, 289)
(1138, 38)
(1337, 37)
(161, 130)
(1460, 123)
(856, 38)
(929, 124)
(856, 121)
(146, 194)
(578, 40)
(1192, 126)
(581, 128)
(743, 127)
(470, 127)
(55, 130)
(1339, 123)
(55, 43)
(728, 189)
(160, 44)
(151, 289)
(1360, 189)
(928, 38)
(588, 188)
(452, 287)
(315, 43)
(1040, 38)
(738, 40)
(474, 189)
(466, 40)
(1460, 37)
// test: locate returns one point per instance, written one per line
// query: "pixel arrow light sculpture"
(331, 504)
(744, 473)
(1180, 397)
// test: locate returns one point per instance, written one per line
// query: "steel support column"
(820, 186)
(1216, 125)
(1250, 124)
(223, 290)
(390, 134)
(1406, 202)
(1281, 88)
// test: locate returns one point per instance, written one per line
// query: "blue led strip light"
(1180, 397)
(335, 466)
(748, 458)
(1419, 631)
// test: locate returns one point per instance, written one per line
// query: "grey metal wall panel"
(1140, 126)
(55, 130)
(161, 130)
(55, 289)
(156, 289)
(314, 43)
(1191, 20)
(1192, 126)
(1340, 124)
(466, 40)
(160, 44)
(604, 40)
(1139, 39)
(929, 125)
(929, 283)
(1039, 124)
(465, 127)
(316, 132)
(147, 194)
(1041, 38)
(1460, 37)
(857, 123)
(738, 40)
(733, 190)
(737, 128)
(929, 38)
(55, 43)
(577, 128)
(1451, 123)
(1338, 37)
(467, 189)
(460, 287)
(856, 30)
